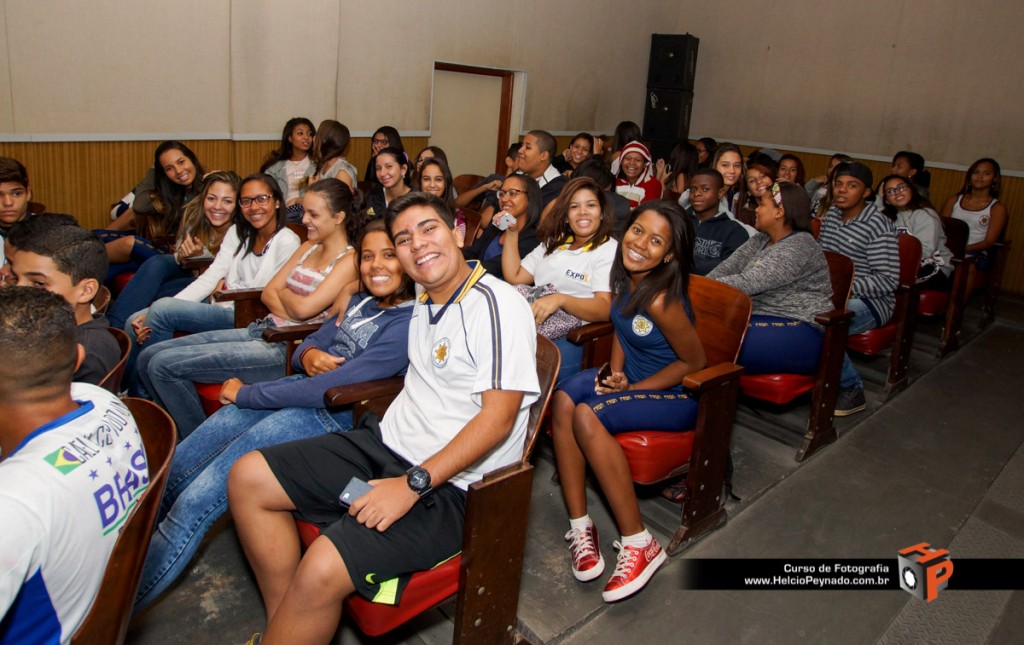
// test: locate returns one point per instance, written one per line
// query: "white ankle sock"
(580, 522)
(638, 540)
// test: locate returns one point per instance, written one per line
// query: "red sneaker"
(587, 561)
(633, 568)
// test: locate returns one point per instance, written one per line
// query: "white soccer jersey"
(65, 492)
(484, 339)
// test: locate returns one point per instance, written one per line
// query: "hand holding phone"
(602, 374)
(504, 221)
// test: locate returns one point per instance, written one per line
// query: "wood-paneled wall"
(85, 179)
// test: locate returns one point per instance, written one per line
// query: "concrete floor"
(942, 463)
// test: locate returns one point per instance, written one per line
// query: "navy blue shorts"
(661, 410)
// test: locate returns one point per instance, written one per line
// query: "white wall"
(116, 67)
(245, 66)
(942, 77)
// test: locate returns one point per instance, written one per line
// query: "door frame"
(505, 110)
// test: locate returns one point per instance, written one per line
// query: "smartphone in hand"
(355, 489)
(602, 374)
(504, 221)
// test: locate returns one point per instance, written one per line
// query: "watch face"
(419, 479)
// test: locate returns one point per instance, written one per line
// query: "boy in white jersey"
(463, 411)
(72, 467)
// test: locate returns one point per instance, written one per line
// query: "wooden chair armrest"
(830, 318)
(196, 264)
(498, 474)
(356, 392)
(288, 334)
(234, 295)
(589, 332)
(711, 377)
(248, 305)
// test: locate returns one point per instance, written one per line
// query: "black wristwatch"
(419, 480)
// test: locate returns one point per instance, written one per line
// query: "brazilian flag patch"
(63, 460)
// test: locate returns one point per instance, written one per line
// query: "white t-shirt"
(580, 273)
(64, 495)
(484, 339)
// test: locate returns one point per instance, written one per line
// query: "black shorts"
(313, 472)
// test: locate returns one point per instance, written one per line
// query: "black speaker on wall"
(673, 63)
(667, 114)
(670, 76)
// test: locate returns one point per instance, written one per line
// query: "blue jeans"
(197, 490)
(169, 315)
(168, 370)
(158, 277)
(142, 250)
(572, 357)
(775, 345)
(863, 320)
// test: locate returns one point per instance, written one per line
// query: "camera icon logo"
(924, 571)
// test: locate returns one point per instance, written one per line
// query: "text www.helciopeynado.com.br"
(789, 574)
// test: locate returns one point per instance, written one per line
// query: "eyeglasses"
(511, 193)
(380, 142)
(246, 202)
(896, 190)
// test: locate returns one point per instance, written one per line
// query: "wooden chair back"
(548, 362)
(107, 620)
(462, 183)
(101, 300)
(840, 271)
(473, 225)
(722, 314)
(299, 230)
(112, 381)
(957, 232)
(910, 259)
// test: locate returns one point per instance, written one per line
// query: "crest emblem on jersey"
(984, 219)
(439, 354)
(642, 326)
(63, 460)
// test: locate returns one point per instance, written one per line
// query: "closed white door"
(464, 118)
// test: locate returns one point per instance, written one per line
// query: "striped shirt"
(304, 281)
(869, 239)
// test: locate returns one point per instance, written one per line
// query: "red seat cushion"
(933, 303)
(209, 396)
(426, 589)
(776, 388)
(873, 341)
(120, 280)
(653, 455)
